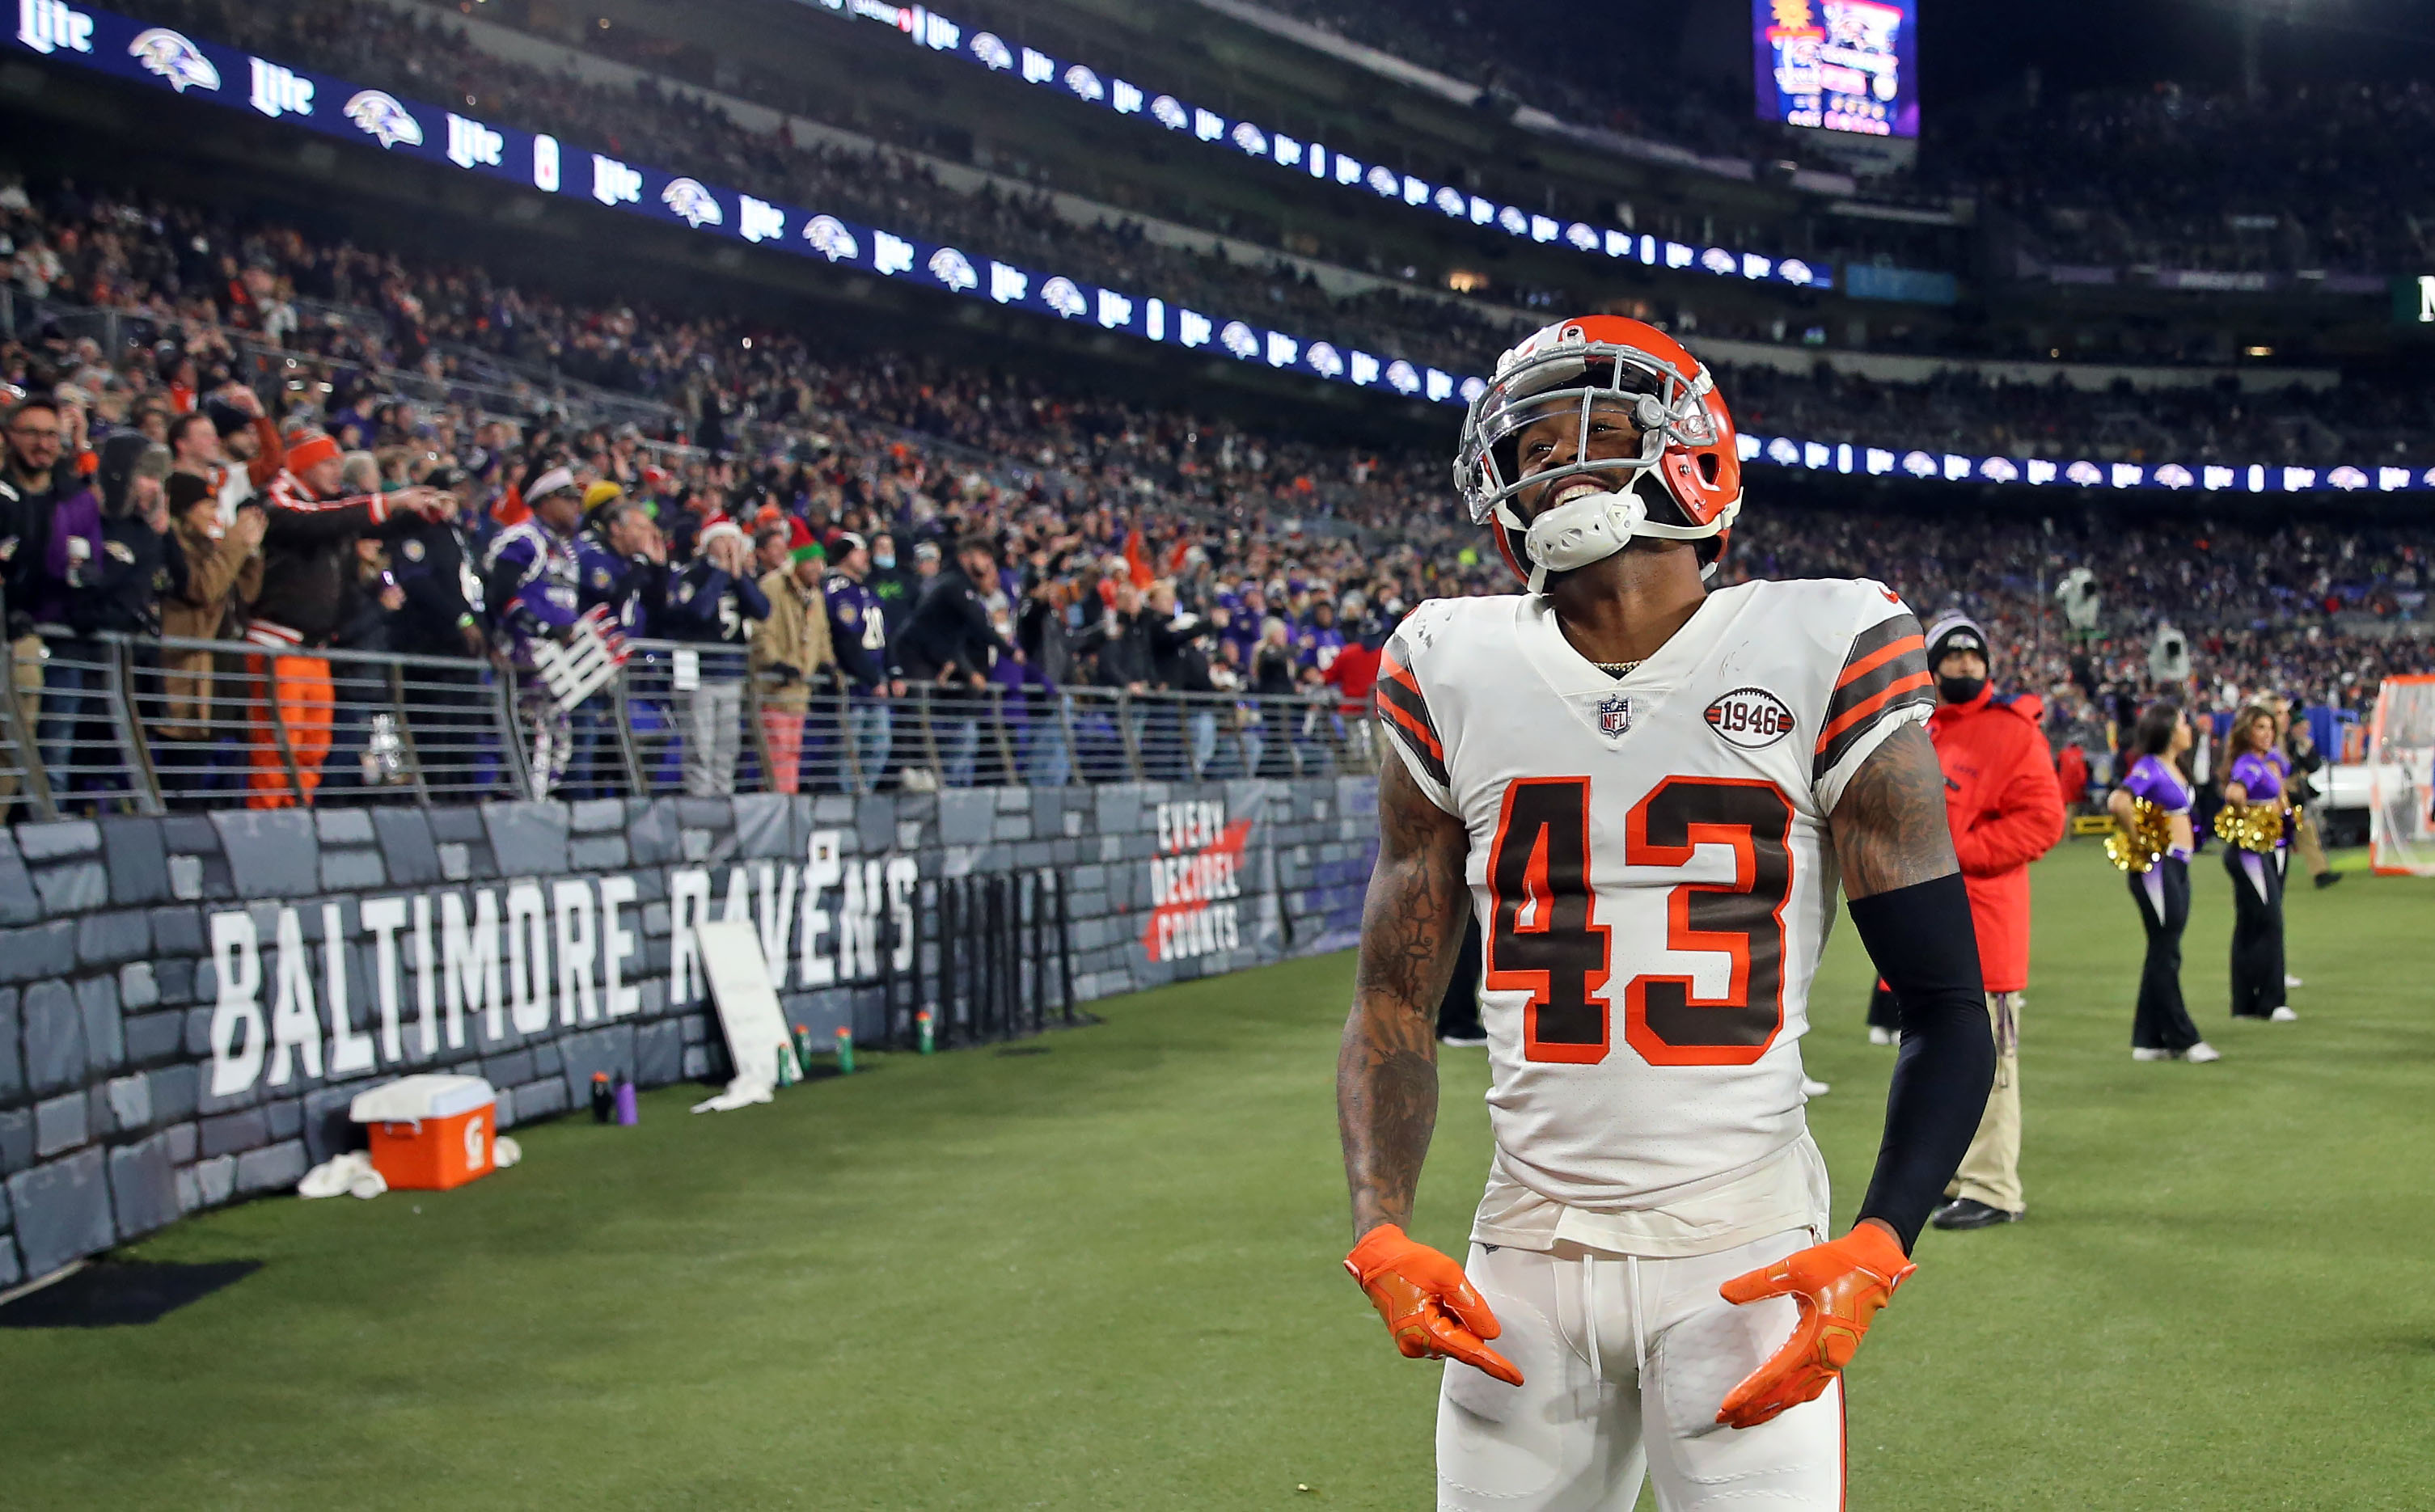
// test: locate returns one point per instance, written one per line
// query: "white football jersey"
(1649, 865)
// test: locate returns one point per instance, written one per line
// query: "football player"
(1647, 793)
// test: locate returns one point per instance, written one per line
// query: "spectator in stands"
(223, 571)
(624, 566)
(1117, 649)
(1049, 663)
(29, 495)
(775, 542)
(443, 615)
(1272, 664)
(252, 450)
(859, 636)
(1121, 642)
(531, 579)
(139, 563)
(1354, 675)
(892, 583)
(54, 543)
(948, 645)
(791, 656)
(1320, 640)
(360, 472)
(712, 604)
(118, 593)
(195, 445)
(309, 584)
(1180, 642)
(364, 747)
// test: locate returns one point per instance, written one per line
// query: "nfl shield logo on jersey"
(1615, 715)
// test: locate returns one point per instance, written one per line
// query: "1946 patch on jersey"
(1750, 718)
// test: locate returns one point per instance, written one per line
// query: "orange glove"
(1414, 1288)
(1837, 1287)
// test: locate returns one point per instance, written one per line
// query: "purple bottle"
(626, 1112)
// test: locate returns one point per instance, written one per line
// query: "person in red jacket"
(2006, 809)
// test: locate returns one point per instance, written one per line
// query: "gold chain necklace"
(1620, 669)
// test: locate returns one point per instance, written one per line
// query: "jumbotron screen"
(1838, 65)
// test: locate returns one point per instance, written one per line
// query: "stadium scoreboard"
(1838, 65)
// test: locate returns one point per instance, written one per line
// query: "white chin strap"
(1590, 527)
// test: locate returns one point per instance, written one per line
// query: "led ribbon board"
(163, 59)
(928, 30)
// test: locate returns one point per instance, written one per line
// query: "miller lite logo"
(178, 62)
(1750, 718)
(1614, 716)
(47, 25)
(279, 91)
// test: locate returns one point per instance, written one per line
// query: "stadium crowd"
(2174, 176)
(229, 457)
(2167, 175)
(422, 57)
(2089, 202)
(457, 322)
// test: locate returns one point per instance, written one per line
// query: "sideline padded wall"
(178, 1032)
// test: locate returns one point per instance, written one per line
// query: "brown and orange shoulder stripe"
(1405, 712)
(1886, 671)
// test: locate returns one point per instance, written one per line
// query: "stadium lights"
(159, 58)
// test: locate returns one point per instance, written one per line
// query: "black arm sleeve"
(1921, 938)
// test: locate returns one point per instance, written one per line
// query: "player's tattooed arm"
(1889, 828)
(1387, 1069)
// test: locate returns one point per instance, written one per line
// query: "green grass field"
(1106, 1277)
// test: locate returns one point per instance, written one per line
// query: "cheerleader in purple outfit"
(2152, 806)
(2256, 835)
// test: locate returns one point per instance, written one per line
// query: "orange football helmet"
(1687, 446)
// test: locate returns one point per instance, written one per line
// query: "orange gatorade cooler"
(430, 1132)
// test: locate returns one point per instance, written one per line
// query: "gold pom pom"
(2149, 836)
(2256, 826)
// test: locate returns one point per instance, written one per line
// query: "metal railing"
(112, 722)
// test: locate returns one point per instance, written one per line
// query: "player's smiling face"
(1557, 441)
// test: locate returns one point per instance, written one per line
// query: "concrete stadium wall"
(178, 1032)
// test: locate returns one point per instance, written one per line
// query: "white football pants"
(1624, 1363)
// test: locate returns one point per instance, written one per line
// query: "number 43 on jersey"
(1545, 938)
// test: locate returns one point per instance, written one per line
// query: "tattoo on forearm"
(1387, 1069)
(1890, 828)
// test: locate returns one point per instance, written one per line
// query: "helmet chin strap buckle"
(1586, 528)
